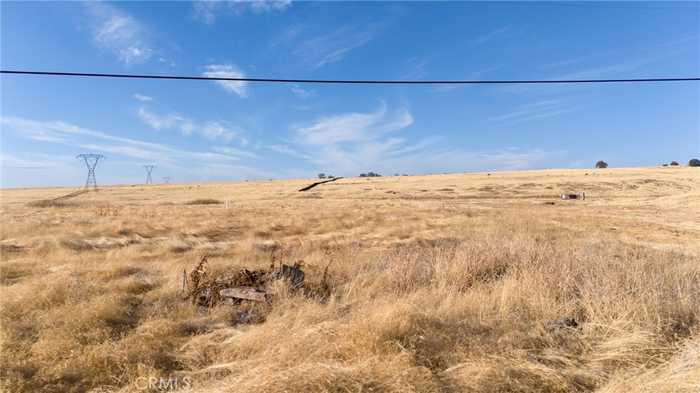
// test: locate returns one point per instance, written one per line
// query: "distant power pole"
(149, 169)
(91, 161)
(166, 179)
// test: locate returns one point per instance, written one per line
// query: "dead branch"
(310, 186)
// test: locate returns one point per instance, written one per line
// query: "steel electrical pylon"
(91, 161)
(149, 169)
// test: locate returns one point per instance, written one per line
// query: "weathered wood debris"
(206, 289)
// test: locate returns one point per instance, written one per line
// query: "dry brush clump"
(204, 201)
(468, 317)
(49, 203)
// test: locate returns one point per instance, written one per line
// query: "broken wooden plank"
(245, 293)
(310, 186)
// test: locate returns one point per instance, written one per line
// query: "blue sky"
(210, 131)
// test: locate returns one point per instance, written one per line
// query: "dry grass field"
(445, 283)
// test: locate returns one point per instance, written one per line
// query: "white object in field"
(574, 195)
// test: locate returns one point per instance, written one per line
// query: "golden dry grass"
(445, 283)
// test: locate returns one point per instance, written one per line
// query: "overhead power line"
(353, 81)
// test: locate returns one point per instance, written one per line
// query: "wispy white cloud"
(607, 70)
(228, 71)
(533, 111)
(288, 35)
(34, 161)
(381, 147)
(183, 164)
(353, 127)
(653, 52)
(490, 35)
(626, 66)
(351, 143)
(564, 62)
(321, 50)
(39, 170)
(164, 122)
(266, 5)
(416, 68)
(456, 160)
(205, 10)
(81, 138)
(208, 10)
(348, 142)
(287, 150)
(474, 75)
(301, 92)
(213, 129)
(141, 97)
(235, 152)
(118, 32)
(168, 62)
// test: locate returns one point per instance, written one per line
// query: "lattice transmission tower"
(91, 161)
(149, 169)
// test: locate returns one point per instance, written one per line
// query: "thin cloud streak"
(67, 134)
(287, 150)
(208, 10)
(538, 110)
(322, 50)
(301, 92)
(142, 98)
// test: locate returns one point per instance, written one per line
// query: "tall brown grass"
(422, 299)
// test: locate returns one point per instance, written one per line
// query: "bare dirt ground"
(445, 283)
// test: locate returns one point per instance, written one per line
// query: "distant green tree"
(674, 163)
(321, 175)
(694, 162)
(601, 164)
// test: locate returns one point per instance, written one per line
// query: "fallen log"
(310, 186)
(244, 293)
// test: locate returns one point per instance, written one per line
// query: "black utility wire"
(352, 81)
